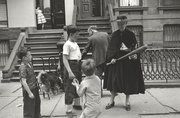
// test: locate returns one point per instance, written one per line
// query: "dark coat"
(98, 44)
(125, 76)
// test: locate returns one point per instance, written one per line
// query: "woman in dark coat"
(124, 76)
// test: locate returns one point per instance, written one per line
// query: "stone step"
(82, 38)
(41, 44)
(44, 39)
(93, 20)
(98, 24)
(98, 28)
(44, 49)
(48, 31)
(45, 54)
(45, 33)
(102, 29)
(82, 43)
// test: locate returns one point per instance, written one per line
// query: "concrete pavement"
(155, 103)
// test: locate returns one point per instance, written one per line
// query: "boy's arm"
(23, 75)
(26, 87)
(81, 90)
(66, 64)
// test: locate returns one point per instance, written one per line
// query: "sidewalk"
(155, 103)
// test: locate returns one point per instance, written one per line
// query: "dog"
(50, 83)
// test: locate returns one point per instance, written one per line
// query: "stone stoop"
(44, 50)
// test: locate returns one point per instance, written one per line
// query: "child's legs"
(68, 95)
(29, 105)
(69, 108)
(77, 102)
(39, 26)
(37, 103)
(43, 26)
(68, 101)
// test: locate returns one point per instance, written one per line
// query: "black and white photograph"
(89, 58)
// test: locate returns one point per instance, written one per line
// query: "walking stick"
(138, 50)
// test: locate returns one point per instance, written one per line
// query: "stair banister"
(7, 71)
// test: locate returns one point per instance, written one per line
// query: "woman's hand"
(71, 75)
(75, 82)
(113, 61)
(134, 56)
(31, 95)
(127, 50)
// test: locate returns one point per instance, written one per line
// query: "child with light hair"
(90, 90)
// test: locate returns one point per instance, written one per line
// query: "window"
(171, 35)
(169, 2)
(138, 31)
(4, 52)
(3, 14)
(129, 2)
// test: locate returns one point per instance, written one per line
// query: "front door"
(57, 13)
(54, 12)
(91, 8)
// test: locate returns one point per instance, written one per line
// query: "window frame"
(171, 43)
(140, 4)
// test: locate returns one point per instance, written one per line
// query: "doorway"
(91, 8)
(54, 12)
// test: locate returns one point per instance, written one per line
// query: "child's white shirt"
(72, 50)
(90, 90)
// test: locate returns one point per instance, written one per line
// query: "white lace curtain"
(129, 2)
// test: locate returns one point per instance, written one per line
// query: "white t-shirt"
(90, 89)
(72, 50)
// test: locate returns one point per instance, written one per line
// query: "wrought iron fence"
(161, 64)
(158, 65)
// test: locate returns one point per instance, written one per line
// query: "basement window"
(171, 34)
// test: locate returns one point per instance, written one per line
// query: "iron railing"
(161, 64)
(158, 65)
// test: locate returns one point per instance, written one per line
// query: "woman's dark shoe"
(77, 107)
(128, 107)
(110, 105)
(69, 112)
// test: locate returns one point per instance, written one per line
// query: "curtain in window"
(138, 31)
(4, 52)
(129, 2)
(172, 33)
(3, 14)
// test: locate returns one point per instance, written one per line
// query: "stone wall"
(153, 15)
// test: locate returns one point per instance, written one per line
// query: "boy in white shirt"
(90, 89)
(72, 63)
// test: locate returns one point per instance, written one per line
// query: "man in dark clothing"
(98, 43)
(124, 76)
